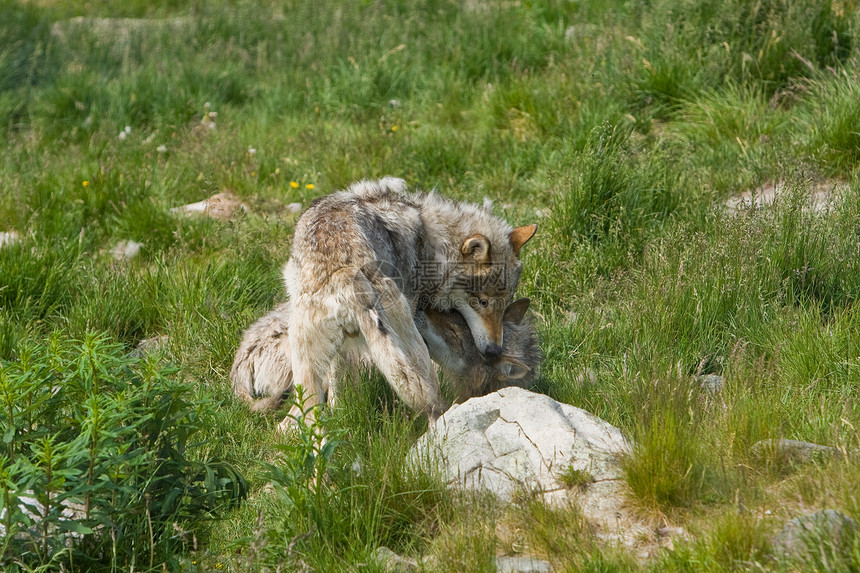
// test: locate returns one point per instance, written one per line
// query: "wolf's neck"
(440, 254)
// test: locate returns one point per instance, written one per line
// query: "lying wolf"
(262, 370)
(466, 371)
(366, 259)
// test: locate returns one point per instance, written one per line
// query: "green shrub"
(104, 443)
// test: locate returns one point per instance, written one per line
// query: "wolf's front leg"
(314, 342)
(398, 350)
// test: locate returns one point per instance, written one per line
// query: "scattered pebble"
(821, 196)
(149, 345)
(712, 383)
(30, 506)
(126, 250)
(8, 238)
(393, 562)
(793, 450)
(294, 207)
(522, 564)
(805, 534)
(222, 205)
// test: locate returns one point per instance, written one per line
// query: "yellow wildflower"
(85, 183)
(393, 128)
(294, 184)
(309, 186)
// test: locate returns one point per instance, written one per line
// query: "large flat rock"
(514, 439)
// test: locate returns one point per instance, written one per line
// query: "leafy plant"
(96, 448)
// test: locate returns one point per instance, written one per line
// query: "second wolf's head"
(470, 373)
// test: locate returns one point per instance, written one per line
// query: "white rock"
(804, 536)
(34, 510)
(523, 564)
(793, 450)
(820, 196)
(712, 383)
(514, 439)
(126, 250)
(150, 345)
(393, 562)
(8, 238)
(294, 207)
(222, 205)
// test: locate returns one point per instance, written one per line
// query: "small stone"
(803, 535)
(126, 250)
(8, 238)
(394, 103)
(294, 207)
(150, 345)
(667, 535)
(793, 450)
(522, 564)
(819, 196)
(514, 440)
(393, 562)
(222, 205)
(30, 506)
(713, 383)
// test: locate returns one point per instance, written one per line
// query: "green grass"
(620, 128)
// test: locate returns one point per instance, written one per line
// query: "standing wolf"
(366, 259)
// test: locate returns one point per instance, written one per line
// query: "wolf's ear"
(520, 236)
(478, 246)
(516, 311)
(512, 369)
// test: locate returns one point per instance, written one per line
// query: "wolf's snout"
(493, 351)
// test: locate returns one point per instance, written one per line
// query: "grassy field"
(620, 127)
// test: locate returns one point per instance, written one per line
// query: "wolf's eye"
(483, 302)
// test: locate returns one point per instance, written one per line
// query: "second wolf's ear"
(512, 369)
(520, 236)
(516, 311)
(478, 246)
